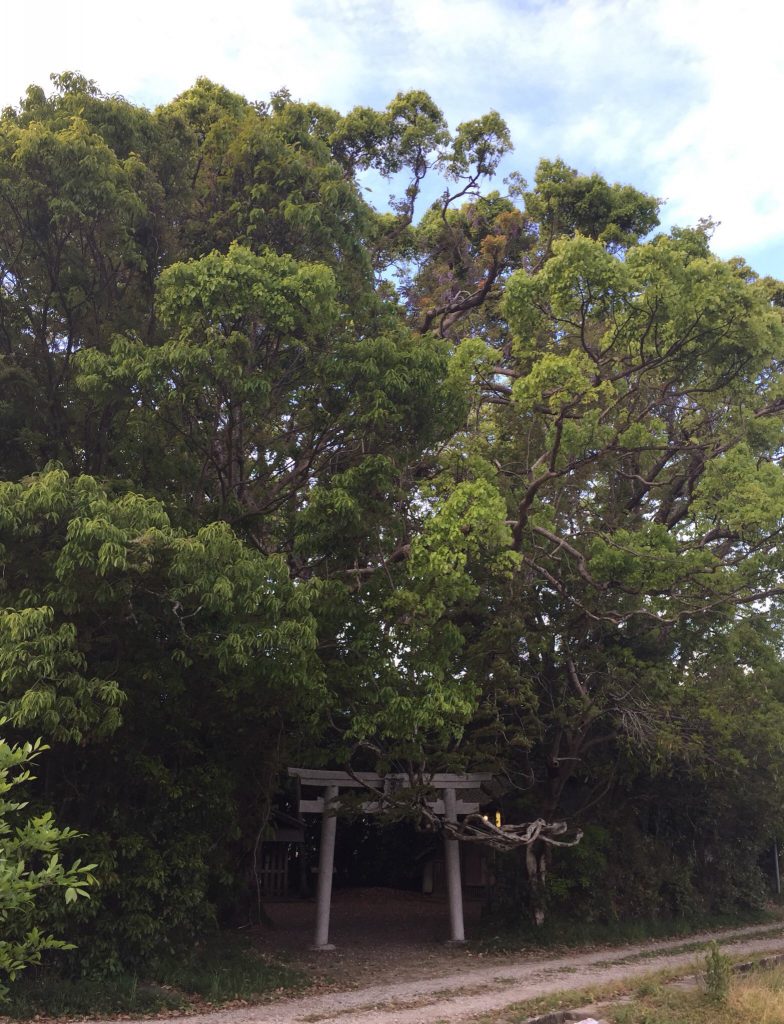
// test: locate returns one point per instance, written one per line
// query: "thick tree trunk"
(536, 868)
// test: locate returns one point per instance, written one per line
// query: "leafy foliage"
(30, 868)
(129, 646)
(286, 477)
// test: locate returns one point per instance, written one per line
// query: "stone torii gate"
(449, 805)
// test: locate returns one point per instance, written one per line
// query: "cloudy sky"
(678, 97)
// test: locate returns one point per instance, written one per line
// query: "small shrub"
(646, 987)
(717, 975)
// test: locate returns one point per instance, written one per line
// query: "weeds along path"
(471, 991)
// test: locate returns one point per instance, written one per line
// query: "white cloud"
(157, 49)
(724, 157)
(677, 96)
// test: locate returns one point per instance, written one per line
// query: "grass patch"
(227, 968)
(556, 933)
(757, 997)
(41, 994)
(701, 945)
(518, 1013)
(223, 969)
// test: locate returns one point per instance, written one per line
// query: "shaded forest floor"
(380, 935)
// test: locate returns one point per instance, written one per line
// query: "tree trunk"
(536, 868)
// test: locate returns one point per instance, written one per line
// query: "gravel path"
(472, 990)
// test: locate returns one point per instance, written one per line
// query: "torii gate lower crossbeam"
(330, 783)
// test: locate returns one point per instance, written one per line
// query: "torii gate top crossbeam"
(381, 785)
(360, 780)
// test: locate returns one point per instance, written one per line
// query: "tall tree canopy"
(491, 484)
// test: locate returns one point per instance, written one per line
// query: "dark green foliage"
(290, 479)
(135, 648)
(217, 970)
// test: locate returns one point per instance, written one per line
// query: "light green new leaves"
(688, 310)
(740, 493)
(556, 381)
(29, 866)
(463, 543)
(44, 678)
(703, 313)
(634, 416)
(283, 296)
(420, 697)
(114, 576)
(226, 312)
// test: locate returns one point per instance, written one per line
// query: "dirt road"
(469, 990)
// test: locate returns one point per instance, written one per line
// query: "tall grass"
(754, 998)
(556, 932)
(214, 972)
(758, 997)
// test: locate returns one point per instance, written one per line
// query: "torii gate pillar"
(453, 882)
(329, 824)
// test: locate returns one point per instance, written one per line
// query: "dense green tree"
(631, 418)
(165, 670)
(189, 310)
(493, 486)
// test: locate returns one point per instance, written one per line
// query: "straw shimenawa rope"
(475, 828)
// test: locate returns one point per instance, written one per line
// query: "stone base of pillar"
(327, 948)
